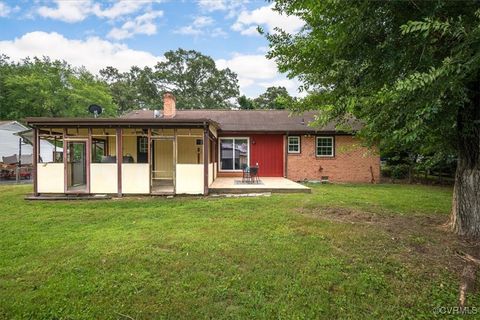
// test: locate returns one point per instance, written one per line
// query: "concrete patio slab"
(269, 184)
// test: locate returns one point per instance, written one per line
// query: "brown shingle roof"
(250, 120)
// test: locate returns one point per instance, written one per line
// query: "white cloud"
(290, 84)
(231, 6)
(201, 25)
(248, 21)
(6, 10)
(250, 66)
(188, 31)
(120, 8)
(77, 10)
(143, 24)
(213, 5)
(93, 53)
(202, 21)
(218, 32)
(68, 11)
(262, 49)
(256, 73)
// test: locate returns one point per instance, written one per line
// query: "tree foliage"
(274, 98)
(409, 70)
(245, 103)
(42, 87)
(195, 80)
(133, 89)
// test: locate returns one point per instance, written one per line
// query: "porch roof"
(119, 122)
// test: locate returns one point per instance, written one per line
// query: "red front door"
(266, 150)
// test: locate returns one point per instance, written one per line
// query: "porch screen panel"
(104, 145)
(50, 148)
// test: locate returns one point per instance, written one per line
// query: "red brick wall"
(351, 162)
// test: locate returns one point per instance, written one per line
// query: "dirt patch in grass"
(422, 239)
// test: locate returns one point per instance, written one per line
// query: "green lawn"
(344, 251)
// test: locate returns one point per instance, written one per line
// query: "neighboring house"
(10, 132)
(184, 151)
(9, 142)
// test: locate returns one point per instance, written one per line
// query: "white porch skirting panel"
(103, 178)
(135, 178)
(189, 179)
(210, 173)
(50, 177)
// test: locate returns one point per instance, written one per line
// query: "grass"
(344, 251)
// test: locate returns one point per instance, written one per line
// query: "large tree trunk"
(466, 195)
(466, 201)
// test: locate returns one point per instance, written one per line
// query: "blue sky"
(97, 33)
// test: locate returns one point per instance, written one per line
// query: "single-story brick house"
(185, 151)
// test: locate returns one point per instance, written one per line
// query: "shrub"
(399, 171)
(387, 172)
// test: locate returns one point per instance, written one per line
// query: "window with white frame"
(293, 144)
(143, 145)
(234, 153)
(324, 147)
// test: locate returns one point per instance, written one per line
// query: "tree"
(195, 80)
(86, 89)
(409, 70)
(274, 98)
(42, 87)
(133, 89)
(245, 103)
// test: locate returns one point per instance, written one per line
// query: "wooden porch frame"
(65, 164)
(36, 142)
(206, 137)
(119, 161)
(206, 134)
(173, 140)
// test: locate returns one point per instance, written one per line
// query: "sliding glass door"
(234, 154)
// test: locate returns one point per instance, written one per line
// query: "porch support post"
(65, 154)
(89, 158)
(149, 156)
(119, 161)
(35, 161)
(206, 141)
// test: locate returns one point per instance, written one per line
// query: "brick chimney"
(169, 109)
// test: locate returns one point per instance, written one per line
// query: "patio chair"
(245, 173)
(254, 175)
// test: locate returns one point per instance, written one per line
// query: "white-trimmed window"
(234, 153)
(143, 145)
(294, 144)
(324, 147)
